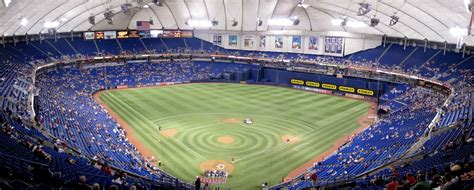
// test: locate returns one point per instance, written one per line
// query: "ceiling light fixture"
(234, 22)
(49, 24)
(303, 5)
(23, 21)
(374, 21)
(198, 23)
(393, 20)
(259, 22)
(91, 19)
(109, 16)
(456, 31)
(468, 4)
(214, 22)
(126, 8)
(7, 2)
(280, 22)
(344, 22)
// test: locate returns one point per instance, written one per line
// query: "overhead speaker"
(91, 20)
(344, 21)
(151, 21)
(214, 22)
(109, 14)
(158, 3)
(234, 23)
(296, 22)
(259, 22)
(393, 20)
(364, 9)
(51, 31)
(374, 22)
(126, 8)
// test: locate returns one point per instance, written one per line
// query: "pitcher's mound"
(290, 139)
(221, 165)
(168, 133)
(232, 120)
(225, 140)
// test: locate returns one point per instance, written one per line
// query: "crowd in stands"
(66, 110)
(391, 137)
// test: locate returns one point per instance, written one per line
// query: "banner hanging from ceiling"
(313, 43)
(279, 42)
(248, 41)
(296, 42)
(262, 41)
(233, 41)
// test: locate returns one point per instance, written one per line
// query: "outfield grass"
(198, 111)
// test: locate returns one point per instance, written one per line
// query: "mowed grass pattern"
(198, 111)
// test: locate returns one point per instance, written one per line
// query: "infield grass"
(198, 113)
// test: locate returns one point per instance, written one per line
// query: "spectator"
(314, 178)
(411, 179)
(422, 184)
(81, 184)
(95, 186)
(450, 183)
(393, 185)
(113, 187)
(197, 183)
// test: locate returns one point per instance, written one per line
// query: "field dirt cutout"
(232, 120)
(225, 140)
(221, 165)
(168, 133)
(288, 139)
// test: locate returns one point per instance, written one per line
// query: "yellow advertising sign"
(312, 84)
(329, 86)
(365, 92)
(296, 81)
(346, 89)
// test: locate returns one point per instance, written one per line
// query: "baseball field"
(195, 127)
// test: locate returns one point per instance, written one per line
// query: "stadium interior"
(413, 58)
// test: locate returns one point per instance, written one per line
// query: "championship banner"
(334, 45)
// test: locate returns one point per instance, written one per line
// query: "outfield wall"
(330, 84)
